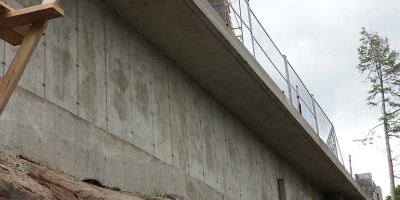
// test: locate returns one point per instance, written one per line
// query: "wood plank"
(13, 36)
(8, 35)
(30, 15)
(18, 65)
(21, 30)
(4, 8)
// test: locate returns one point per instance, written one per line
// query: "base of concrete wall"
(44, 131)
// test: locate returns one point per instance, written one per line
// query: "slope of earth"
(22, 178)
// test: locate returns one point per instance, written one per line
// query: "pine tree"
(378, 62)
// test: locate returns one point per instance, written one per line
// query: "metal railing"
(248, 29)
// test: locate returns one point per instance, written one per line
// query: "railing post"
(315, 113)
(251, 28)
(288, 79)
(298, 99)
(241, 19)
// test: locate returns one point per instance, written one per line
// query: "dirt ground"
(21, 178)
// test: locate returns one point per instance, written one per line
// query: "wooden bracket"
(22, 27)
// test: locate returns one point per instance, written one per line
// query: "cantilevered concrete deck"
(193, 35)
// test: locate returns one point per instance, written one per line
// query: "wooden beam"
(30, 15)
(21, 30)
(11, 37)
(4, 8)
(14, 35)
(21, 59)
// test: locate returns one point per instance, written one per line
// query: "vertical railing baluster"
(241, 21)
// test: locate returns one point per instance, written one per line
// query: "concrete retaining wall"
(99, 101)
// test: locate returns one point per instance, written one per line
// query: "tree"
(397, 194)
(378, 62)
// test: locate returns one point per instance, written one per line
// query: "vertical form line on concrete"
(238, 154)
(170, 114)
(186, 131)
(130, 88)
(255, 172)
(201, 138)
(152, 98)
(44, 65)
(226, 163)
(130, 131)
(77, 57)
(78, 68)
(226, 140)
(105, 65)
(214, 140)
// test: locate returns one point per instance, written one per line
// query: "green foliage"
(378, 62)
(397, 194)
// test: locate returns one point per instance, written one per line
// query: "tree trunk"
(387, 139)
(390, 164)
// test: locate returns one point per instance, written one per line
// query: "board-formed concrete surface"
(100, 100)
(195, 37)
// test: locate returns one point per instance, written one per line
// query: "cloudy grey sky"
(320, 38)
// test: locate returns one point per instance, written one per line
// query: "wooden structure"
(22, 27)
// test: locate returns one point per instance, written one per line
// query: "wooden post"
(18, 65)
(13, 19)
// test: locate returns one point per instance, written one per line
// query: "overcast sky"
(320, 38)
